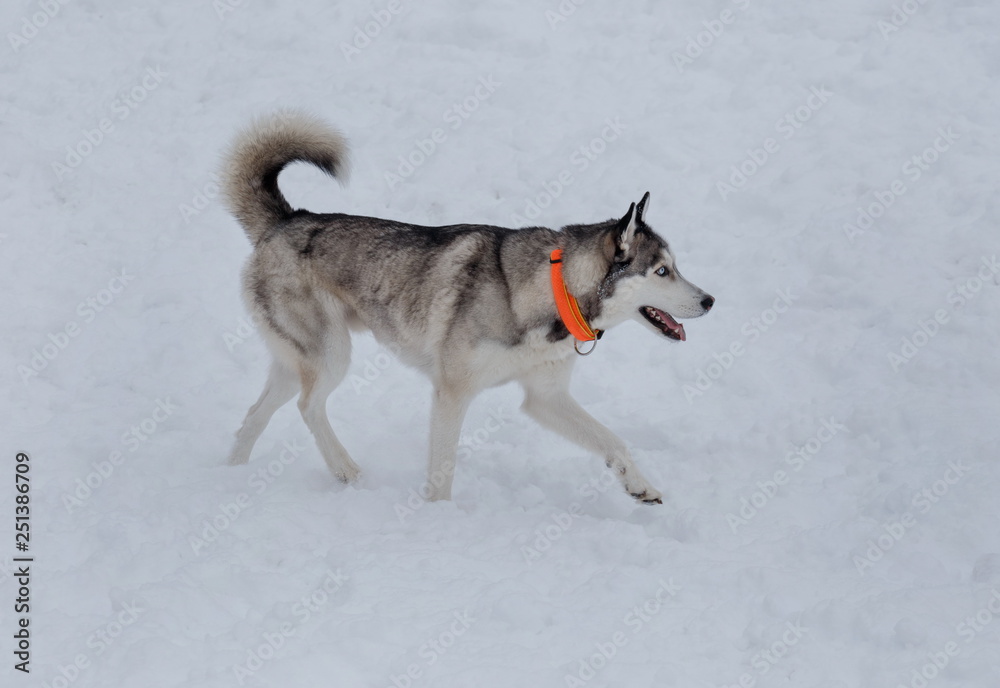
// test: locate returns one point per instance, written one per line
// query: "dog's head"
(643, 282)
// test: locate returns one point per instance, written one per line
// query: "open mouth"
(662, 321)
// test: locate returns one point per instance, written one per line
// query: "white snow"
(829, 469)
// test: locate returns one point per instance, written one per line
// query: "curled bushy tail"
(262, 150)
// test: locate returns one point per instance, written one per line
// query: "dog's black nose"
(707, 302)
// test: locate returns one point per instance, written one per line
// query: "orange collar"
(566, 303)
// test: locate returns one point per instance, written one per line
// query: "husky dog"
(472, 306)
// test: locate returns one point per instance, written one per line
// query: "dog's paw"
(237, 458)
(640, 489)
(648, 496)
(348, 474)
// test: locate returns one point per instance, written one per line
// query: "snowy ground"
(826, 438)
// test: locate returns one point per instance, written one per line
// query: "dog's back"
(425, 290)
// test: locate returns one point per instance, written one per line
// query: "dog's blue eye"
(663, 272)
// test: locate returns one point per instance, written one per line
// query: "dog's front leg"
(555, 409)
(447, 413)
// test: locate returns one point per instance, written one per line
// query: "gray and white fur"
(469, 305)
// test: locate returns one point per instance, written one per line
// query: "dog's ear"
(643, 207)
(625, 233)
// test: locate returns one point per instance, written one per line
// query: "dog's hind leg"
(547, 400)
(280, 388)
(447, 413)
(319, 378)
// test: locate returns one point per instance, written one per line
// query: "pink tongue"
(673, 325)
(678, 328)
